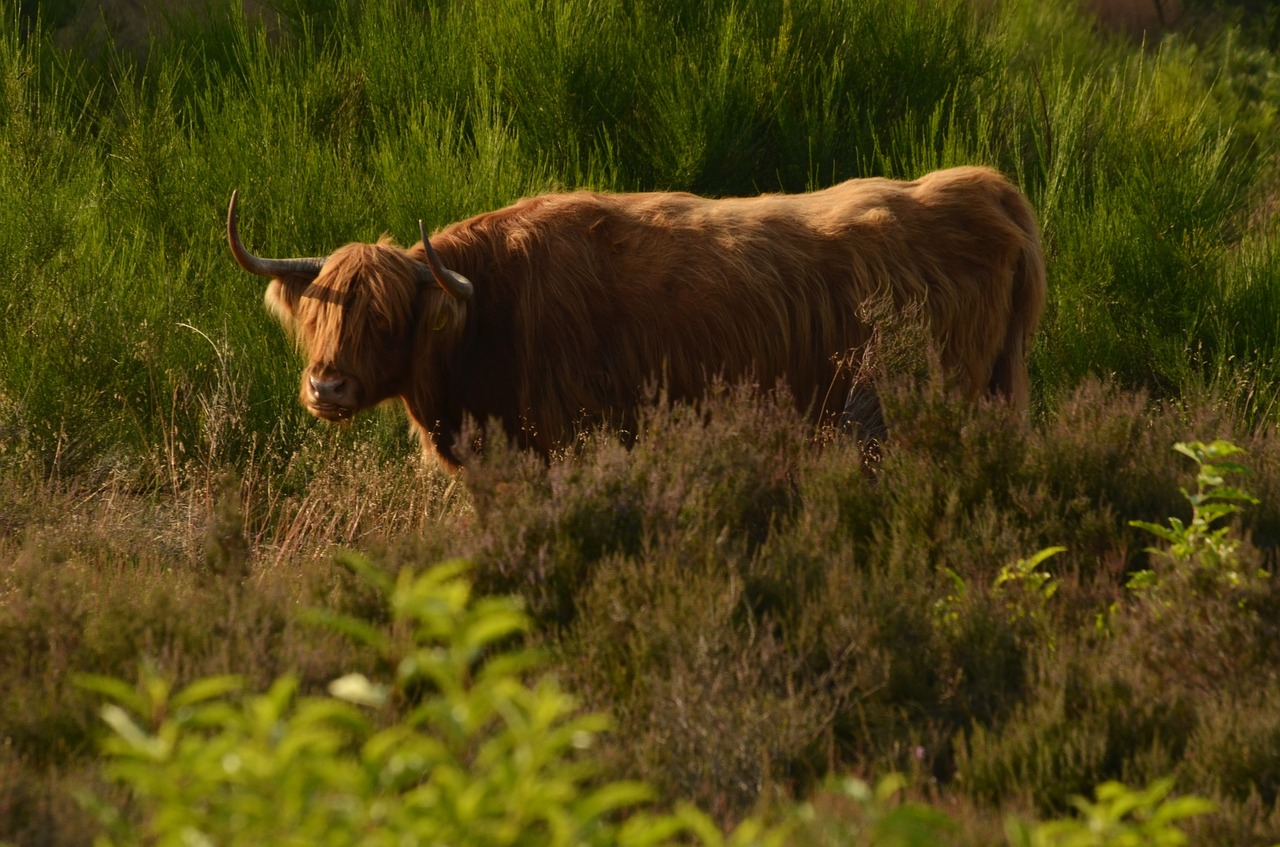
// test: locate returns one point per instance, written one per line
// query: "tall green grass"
(123, 315)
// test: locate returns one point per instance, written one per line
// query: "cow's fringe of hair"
(363, 286)
(354, 318)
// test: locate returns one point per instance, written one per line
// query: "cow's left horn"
(275, 268)
(454, 283)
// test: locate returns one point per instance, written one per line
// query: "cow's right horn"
(454, 283)
(275, 268)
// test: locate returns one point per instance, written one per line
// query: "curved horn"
(274, 268)
(455, 284)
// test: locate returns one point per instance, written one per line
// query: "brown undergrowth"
(756, 608)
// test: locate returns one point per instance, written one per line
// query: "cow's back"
(599, 295)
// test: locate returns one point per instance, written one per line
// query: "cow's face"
(361, 315)
(354, 322)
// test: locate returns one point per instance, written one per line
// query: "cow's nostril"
(328, 390)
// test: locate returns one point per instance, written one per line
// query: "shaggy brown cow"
(562, 310)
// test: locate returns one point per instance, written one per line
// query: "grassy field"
(756, 610)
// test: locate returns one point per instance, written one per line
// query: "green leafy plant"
(1119, 817)
(455, 749)
(880, 817)
(1204, 542)
(1026, 586)
(946, 609)
(1027, 589)
(1026, 574)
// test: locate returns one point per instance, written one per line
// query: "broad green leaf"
(1140, 580)
(1210, 512)
(1157, 530)
(699, 823)
(352, 627)
(208, 688)
(888, 787)
(646, 831)
(1227, 492)
(1184, 807)
(1046, 553)
(138, 739)
(494, 626)
(365, 569)
(612, 797)
(115, 689)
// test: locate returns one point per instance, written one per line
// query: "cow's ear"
(282, 297)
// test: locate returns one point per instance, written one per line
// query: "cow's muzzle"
(331, 397)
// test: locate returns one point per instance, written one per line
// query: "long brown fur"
(582, 301)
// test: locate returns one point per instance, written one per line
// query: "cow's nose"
(331, 390)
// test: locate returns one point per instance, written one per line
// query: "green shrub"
(1200, 545)
(454, 749)
(1120, 816)
(878, 816)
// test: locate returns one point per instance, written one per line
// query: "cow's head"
(357, 314)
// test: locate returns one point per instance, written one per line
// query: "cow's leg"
(863, 415)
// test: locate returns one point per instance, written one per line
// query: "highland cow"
(562, 311)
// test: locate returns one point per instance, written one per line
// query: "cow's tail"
(1029, 291)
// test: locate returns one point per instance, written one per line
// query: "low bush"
(454, 747)
(866, 618)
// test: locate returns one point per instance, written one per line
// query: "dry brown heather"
(209, 578)
(756, 611)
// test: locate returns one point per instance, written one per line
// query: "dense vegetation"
(758, 608)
